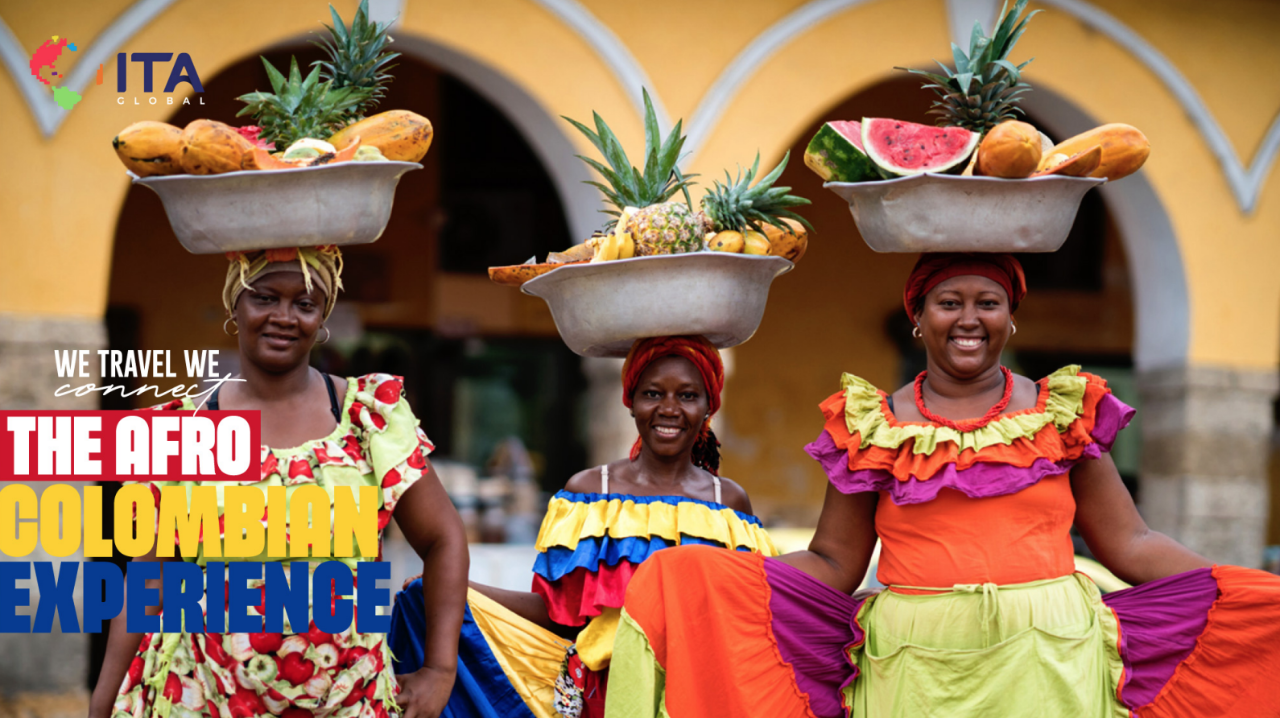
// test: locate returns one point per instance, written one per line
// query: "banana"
(626, 245)
(606, 249)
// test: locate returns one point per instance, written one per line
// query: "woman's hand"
(424, 693)
(1116, 533)
(841, 548)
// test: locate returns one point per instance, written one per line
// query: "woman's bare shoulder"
(587, 481)
(734, 496)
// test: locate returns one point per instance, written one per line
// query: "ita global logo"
(46, 57)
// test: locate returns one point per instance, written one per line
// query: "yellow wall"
(61, 197)
(62, 202)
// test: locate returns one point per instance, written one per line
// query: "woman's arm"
(841, 549)
(121, 647)
(434, 529)
(527, 605)
(1117, 535)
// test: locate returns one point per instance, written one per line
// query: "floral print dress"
(298, 673)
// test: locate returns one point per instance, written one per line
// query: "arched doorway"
(841, 310)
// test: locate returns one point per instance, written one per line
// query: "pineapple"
(334, 94)
(984, 88)
(738, 206)
(299, 108)
(655, 225)
(357, 57)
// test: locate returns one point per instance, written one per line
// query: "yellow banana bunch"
(618, 245)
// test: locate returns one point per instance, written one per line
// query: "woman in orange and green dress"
(971, 478)
(546, 653)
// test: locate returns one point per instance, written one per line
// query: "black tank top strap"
(334, 406)
(889, 400)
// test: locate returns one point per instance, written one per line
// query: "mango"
(1010, 150)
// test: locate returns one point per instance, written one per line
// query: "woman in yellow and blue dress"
(604, 524)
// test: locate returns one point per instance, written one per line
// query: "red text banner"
(129, 445)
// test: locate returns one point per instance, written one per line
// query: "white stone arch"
(1161, 302)
(543, 130)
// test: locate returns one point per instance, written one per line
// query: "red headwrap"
(706, 358)
(934, 269)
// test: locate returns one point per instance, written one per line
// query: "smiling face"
(965, 322)
(278, 320)
(670, 403)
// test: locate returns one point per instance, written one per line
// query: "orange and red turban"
(936, 268)
(706, 358)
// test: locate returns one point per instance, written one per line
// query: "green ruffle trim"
(865, 416)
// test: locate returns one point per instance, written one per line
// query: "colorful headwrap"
(934, 269)
(323, 264)
(706, 358)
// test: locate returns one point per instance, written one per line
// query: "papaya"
(400, 135)
(1124, 149)
(1077, 165)
(210, 147)
(148, 149)
(788, 245)
(517, 274)
(1010, 150)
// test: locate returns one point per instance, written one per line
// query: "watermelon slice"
(836, 154)
(905, 148)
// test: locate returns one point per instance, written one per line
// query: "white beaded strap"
(604, 480)
(716, 479)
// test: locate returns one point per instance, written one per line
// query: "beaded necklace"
(966, 424)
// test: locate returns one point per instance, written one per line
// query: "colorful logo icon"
(46, 57)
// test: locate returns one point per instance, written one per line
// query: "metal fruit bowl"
(344, 203)
(601, 309)
(952, 213)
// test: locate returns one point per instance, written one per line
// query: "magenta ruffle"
(814, 627)
(982, 480)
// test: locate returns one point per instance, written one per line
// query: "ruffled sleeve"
(394, 448)
(590, 545)
(864, 448)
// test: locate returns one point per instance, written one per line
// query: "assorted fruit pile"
(977, 133)
(742, 215)
(304, 121)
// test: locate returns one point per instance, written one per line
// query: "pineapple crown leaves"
(737, 204)
(625, 185)
(999, 81)
(299, 107)
(357, 55)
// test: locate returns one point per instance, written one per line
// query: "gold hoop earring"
(915, 332)
(327, 335)
(233, 323)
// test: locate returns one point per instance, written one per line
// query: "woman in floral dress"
(354, 432)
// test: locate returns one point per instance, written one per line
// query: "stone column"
(610, 428)
(1206, 444)
(35, 664)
